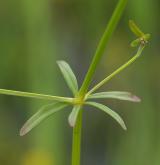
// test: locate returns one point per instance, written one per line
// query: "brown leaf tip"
(135, 98)
(23, 131)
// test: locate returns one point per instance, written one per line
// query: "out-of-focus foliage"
(33, 35)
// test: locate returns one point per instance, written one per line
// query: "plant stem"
(140, 49)
(36, 95)
(76, 142)
(76, 146)
(102, 45)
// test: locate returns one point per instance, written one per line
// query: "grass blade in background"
(42, 76)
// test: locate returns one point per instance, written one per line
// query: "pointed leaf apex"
(110, 112)
(71, 122)
(135, 98)
(73, 115)
(59, 61)
(23, 131)
(124, 126)
(40, 116)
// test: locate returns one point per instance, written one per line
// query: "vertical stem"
(76, 142)
(76, 146)
(102, 44)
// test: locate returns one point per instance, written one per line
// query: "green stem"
(140, 49)
(76, 147)
(76, 142)
(102, 45)
(36, 95)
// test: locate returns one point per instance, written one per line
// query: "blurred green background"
(36, 33)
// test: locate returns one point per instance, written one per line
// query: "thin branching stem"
(140, 49)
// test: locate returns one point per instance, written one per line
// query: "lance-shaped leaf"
(42, 114)
(68, 76)
(109, 112)
(135, 29)
(115, 95)
(73, 115)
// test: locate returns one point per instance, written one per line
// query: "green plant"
(82, 96)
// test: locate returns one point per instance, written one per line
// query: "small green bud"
(142, 38)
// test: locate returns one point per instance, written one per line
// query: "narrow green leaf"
(41, 115)
(35, 95)
(135, 29)
(115, 95)
(109, 112)
(73, 115)
(69, 76)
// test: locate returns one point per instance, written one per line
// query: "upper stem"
(102, 45)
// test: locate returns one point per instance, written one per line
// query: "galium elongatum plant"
(83, 97)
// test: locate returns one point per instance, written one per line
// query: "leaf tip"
(135, 98)
(130, 22)
(58, 62)
(71, 122)
(23, 131)
(124, 127)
